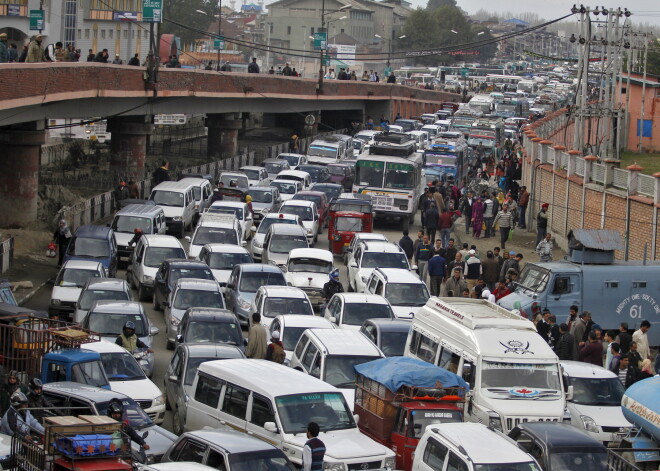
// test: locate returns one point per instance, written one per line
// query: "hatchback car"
(280, 240)
(291, 328)
(222, 258)
(293, 159)
(181, 373)
(101, 289)
(189, 292)
(322, 205)
(271, 301)
(331, 190)
(170, 271)
(267, 221)
(244, 282)
(107, 318)
(126, 376)
(402, 288)
(390, 335)
(318, 173)
(309, 215)
(287, 188)
(350, 310)
(228, 450)
(265, 199)
(209, 325)
(215, 228)
(308, 270)
(257, 176)
(69, 283)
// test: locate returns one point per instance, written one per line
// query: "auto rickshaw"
(348, 215)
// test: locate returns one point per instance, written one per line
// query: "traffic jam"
(282, 317)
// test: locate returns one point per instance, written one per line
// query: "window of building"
(133, 34)
(311, 31)
(125, 34)
(87, 34)
(645, 127)
(111, 33)
(70, 15)
(102, 34)
(288, 30)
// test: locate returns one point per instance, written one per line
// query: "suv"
(244, 282)
(371, 254)
(350, 310)
(265, 199)
(287, 188)
(214, 228)
(275, 166)
(268, 220)
(96, 243)
(208, 325)
(469, 446)
(97, 289)
(238, 209)
(149, 218)
(402, 288)
(318, 173)
(322, 205)
(222, 258)
(70, 280)
(257, 176)
(293, 159)
(271, 301)
(309, 215)
(173, 269)
(150, 251)
(282, 239)
(189, 292)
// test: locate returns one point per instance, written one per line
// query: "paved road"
(41, 300)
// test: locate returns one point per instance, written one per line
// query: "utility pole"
(322, 49)
(640, 126)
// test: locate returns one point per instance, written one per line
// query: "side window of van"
(299, 348)
(434, 454)
(235, 401)
(379, 288)
(372, 284)
(456, 463)
(449, 360)
(208, 391)
(309, 356)
(262, 411)
(468, 373)
(428, 349)
(414, 342)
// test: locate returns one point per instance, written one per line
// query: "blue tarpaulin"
(395, 372)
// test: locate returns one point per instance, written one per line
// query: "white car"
(272, 301)
(238, 209)
(287, 188)
(308, 270)
(371, 254)
(350, 310)
(234, 180)
(304, 178)
(291, 328)
(309, 215)
(221, 259)
(294, 159)
(402, 288)
(126, 376)
(215, 229)
(257, 176)
(69, 283)
(268, 220)
(595, 405)
(359, 237)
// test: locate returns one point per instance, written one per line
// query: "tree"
(183, 11)
(489, 50)
(653, 58)
(433, 4)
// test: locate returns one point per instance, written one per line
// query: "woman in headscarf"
(477, 217)
(62, 236)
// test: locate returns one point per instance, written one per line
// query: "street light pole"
(322, 49)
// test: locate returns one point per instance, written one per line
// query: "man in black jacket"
(406, 244)
(253, 68)
(565, 348)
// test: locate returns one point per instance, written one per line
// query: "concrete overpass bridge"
(33, 93)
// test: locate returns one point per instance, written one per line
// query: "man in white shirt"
(640, 336)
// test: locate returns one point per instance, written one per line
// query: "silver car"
(101, 289)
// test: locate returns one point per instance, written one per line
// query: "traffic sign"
(218, 44)
(464, 72)
(152, 11)
(170, 119)
(36, 20)
(320, 41)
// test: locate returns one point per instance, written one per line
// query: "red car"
(321, 201)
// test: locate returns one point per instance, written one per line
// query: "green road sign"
(320, 41)
(218, 43)
(464, 72)
(152, 11)
(36, 20)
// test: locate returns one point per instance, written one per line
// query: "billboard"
(342, 52)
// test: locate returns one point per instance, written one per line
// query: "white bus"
(530, 87)
(504, 82)
(391, 173)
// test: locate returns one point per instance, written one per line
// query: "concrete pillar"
(537, 150)
(588, 167)
(610, 164)
(222, 136)
(19, 179)
(572, 155)
(128, 147)
(633, 178)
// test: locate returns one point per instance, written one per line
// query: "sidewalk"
(39, 270)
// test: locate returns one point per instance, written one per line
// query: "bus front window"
(395, 178)
(369, 176)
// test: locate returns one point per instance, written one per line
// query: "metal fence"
(646, 185)
(6, 254)
(579, 166)
(598, 173)
(620, 178)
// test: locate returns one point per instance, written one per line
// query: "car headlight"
(494, 421)
(177, 218)
(244, 304)
(257, 244)
(589, 424)
(55, 301)
(159, 401)
(175, 322)
(265, 211)
(334, 466)
(390, 462)
(146, 278)
(309, 231)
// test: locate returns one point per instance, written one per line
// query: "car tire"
(142, 293)
(177, 423)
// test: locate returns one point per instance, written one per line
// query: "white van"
(275, 403)
(150, 252)
(514, 375)
(178, 202)
(149, 218)
(298, 176)
(330, 149)
(202, 192)
(215, 229)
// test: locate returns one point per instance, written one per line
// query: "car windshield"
(286, 243)
(533, 278)
(267, 222)
(348, 224)
(419, 420)
(337, 170)
(368, 175)
(332, 191)
(88, 248)
(261, 196)
(357, 313)
(495, 374)
(406, 125)
(314, 172)
(384, 260)
(133, 413)
(214, 332)
(75, 277)
(303, 212)
(597, 391)
(406, 294)
(584, 460)
(313, 265)
(293, 160)
(186, 298)
(291, 336)
(340, 369)
(88, 297)
(313, 198)
(109, 324)
(273, 167)
(226, 261)
(251, 281)
(167, 198)
(402, 176)
(232, 211)
(234, 181)
(392, 344)
(285, 187)
(154, 256)
(528, 466)
(215, 235)
(357, 145)
(251, 173)
(270, 460)
(202, 273)
(323, 151)
(193, 365)
(329, 410)
(276, 306)
(121, 366)
(128, 224)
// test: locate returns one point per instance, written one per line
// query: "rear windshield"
(88, 248)
(154, 256)
(252, 281)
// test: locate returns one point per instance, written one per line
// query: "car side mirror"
(569, 393)
(187, 238)
(179, 338)
(332, 319)
(245, 342)
(173, 378)
(230, 286)
(356, 417)
(271, 427)
(154, 330)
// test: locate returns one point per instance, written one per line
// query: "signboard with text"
(124, 16)
(320, 41)
(218, 43)
(152, 11)
(342, 52)
(13, 10)
(36, 20)
(170, 119)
